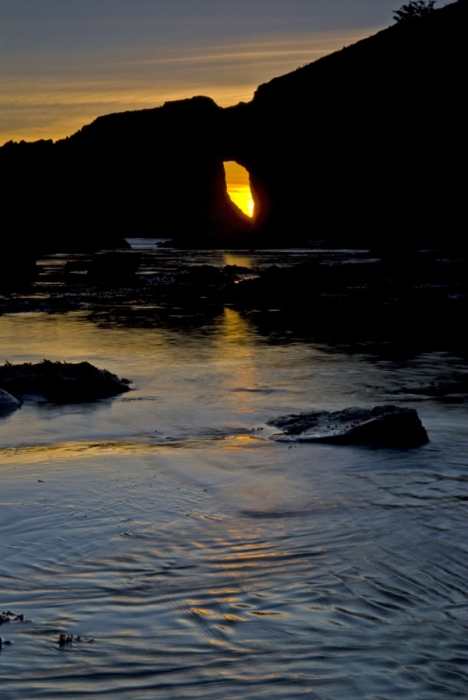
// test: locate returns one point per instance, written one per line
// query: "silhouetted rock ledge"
(61, 382)
(8, 403)
(387, 426)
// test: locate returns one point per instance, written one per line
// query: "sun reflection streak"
(236, 259)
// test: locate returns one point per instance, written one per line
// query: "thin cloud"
(53, 102)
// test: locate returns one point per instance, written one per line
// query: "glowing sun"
(238, 187)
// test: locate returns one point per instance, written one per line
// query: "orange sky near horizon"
(58, 95)
(63, 64)
(238, 187)
(242, 197)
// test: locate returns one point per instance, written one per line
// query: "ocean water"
(196, 557)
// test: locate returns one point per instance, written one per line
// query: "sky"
(65, 62)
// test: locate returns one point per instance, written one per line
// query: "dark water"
(196, 557)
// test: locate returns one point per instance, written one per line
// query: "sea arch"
(238, 187)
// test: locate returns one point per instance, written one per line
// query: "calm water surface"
(198, 558)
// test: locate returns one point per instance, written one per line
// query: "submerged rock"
(201, 275)
(61, 382)
(382, 425)
(113, 267)
(8, 403)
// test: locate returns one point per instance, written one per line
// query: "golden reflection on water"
(236, 259)
(234, 342)
(71, 337)
(238, 187)
(235, 334)
(229, 352)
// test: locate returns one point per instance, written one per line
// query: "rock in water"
(8, 403)
(388, 426)
(61, 382)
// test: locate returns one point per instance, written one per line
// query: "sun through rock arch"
(238, 187)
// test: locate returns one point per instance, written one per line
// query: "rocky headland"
(362, 147)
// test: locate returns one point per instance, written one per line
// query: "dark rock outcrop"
(61, 382)
(155, 172)
(201, 275)
(18, 268)
(113, 267)
(8, 403)
(387, 426)
(352, 147)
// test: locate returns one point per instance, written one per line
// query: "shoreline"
(343, 294)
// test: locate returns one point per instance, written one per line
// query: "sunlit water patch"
(197, 558)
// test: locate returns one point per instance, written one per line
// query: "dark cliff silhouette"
(362, 147)
(366, 144)
(149, 173)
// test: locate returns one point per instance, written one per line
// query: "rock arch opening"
(238, 187)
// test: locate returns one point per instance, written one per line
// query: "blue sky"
(65, 62)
